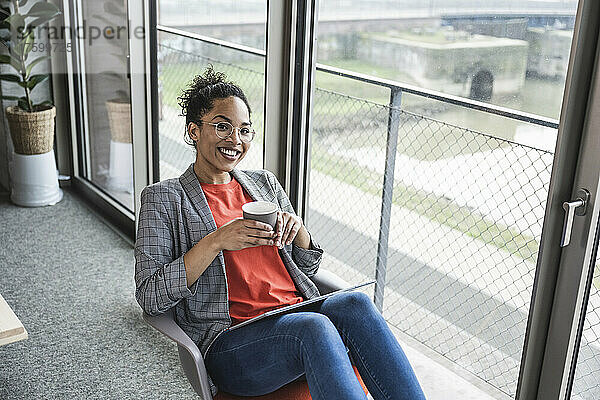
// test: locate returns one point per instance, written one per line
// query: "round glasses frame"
(224, 127)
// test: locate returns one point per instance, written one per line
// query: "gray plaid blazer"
(174, 216)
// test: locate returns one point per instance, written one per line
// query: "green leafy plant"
(17, 34)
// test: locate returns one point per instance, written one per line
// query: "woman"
(195, 253)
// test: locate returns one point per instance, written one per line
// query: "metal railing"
(444, 97)
(457, 269)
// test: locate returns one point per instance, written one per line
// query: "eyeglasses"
(224, 129)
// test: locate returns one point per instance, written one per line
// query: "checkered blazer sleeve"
(160, 277)
(308, 260)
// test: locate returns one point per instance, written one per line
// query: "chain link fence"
(467, 213)
(465, 221)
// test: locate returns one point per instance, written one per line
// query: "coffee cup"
(263, 211)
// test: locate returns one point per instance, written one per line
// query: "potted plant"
(120, 172)
(33, 168)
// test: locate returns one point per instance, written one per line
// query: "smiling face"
(215, 156)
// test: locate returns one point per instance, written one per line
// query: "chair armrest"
(328, 282)
(165, 324)
(189, 354)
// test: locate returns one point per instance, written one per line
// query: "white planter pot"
(34, 180)
(120, 171)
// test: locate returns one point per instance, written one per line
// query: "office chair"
(193, 363)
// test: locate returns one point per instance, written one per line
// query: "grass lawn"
(436, 209)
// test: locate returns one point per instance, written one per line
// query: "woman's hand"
(288, 226)
(241, 233)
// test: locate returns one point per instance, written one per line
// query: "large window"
(230, 36)
(106, 150)
(444, 191)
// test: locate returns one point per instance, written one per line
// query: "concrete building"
(454, 62)
(548, 56)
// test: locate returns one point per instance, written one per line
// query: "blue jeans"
(263, 356)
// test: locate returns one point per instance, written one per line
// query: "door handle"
(572, 208)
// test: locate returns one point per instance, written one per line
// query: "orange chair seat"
(292, 391)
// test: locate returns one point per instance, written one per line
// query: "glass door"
(229, 35)
(109, 82)
(435, 158)
(572, 352)
(100, 35)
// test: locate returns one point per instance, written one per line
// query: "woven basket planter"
(31, 132)
(119, 119)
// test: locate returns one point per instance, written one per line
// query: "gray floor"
(69, 279)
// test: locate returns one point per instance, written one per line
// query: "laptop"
(292, 307)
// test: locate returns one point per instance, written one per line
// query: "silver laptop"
(292, 307)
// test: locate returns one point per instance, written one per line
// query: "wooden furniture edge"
(20, 336)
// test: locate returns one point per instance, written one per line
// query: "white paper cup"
(263, 211)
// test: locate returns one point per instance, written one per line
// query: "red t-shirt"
(256, 277)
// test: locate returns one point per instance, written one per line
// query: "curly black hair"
(198, 98)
